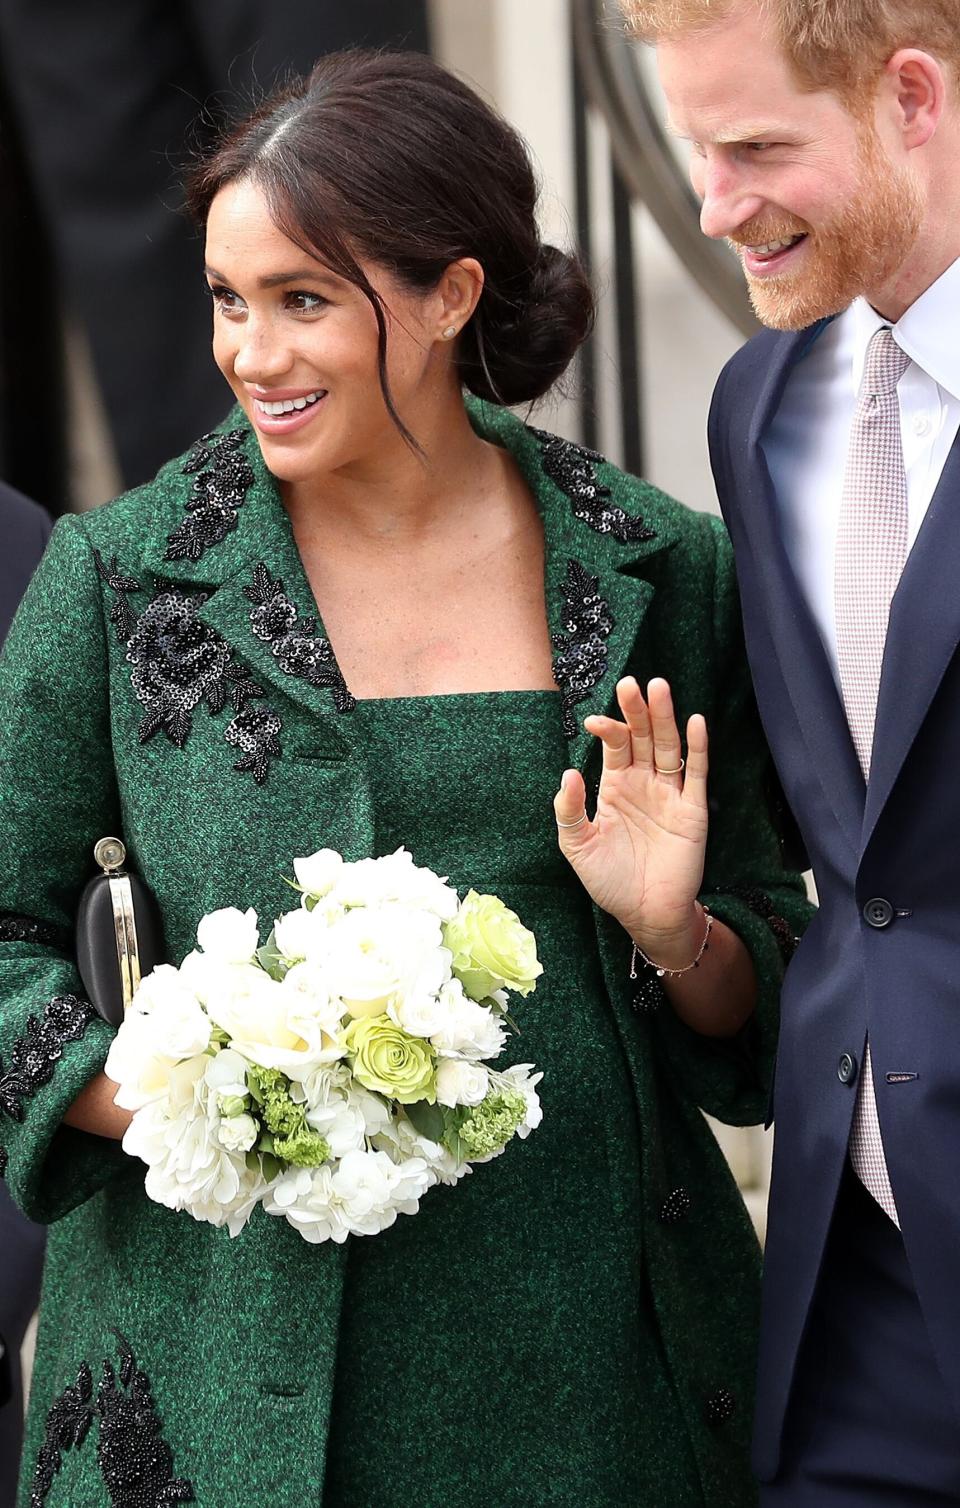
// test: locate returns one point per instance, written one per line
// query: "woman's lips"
(286, 423)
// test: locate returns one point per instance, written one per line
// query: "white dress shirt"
(806, 444)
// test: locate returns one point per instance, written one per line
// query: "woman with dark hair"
(409, 599)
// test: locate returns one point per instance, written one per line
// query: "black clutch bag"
(119, 935)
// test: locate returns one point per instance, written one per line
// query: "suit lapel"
(803, 664)
(922, 637)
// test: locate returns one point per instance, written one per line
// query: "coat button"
(721, 1406)
(878, 912)
(847, 1068)
(675, 1207)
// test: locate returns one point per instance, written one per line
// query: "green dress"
(575, 1323)
(541, 1249)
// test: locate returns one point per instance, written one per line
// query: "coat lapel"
(256, 592)
(922, 637)
(597, 543)
(804, 667)
(257, 597)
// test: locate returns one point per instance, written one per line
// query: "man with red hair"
(825, 137)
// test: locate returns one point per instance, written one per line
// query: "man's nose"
(727, 200)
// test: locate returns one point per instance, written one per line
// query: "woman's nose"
(260, 358)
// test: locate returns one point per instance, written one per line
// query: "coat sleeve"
(58, 795)
(746, 882)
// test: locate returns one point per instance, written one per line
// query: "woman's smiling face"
(299, 345)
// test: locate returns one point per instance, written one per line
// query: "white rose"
(420, 1015)
(300, 935)
(380, 954)
(133, 1063)
(179, 1025)
(461, 1083)
(317, 874)
(469, 1030)
(395, 877)
(229, 935)
(263, 1024)
(237, 1133)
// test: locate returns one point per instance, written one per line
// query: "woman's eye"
(224, 298)
(305, 303)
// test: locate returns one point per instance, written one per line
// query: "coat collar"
(228, 536)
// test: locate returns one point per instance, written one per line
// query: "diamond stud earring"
(449, 332)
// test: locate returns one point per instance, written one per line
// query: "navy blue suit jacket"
(897, 839)
(24, 531)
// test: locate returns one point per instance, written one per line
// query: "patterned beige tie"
(871, 552)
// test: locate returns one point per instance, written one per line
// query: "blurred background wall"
(104, 327)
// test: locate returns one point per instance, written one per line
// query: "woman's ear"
(459, 291)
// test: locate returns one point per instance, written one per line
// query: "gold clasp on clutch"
(110, 854)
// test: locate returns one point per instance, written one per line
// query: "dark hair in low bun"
(515, 354)
(389, 158)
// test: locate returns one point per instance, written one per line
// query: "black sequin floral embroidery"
(135, 1462)
(222, 477)
(762, 906)
(574, 470)
(121, 614)
(35, 1055)
(295, 644)
(27, 929)
(68, 1424)
(254, 732)
(581, 649)
(178, 662)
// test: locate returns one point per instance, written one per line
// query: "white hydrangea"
(187, 1166)
(523, 1078)
(360, 1196)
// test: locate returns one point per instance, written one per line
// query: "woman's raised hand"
(641, 858)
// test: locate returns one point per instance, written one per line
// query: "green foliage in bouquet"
(287, 1135)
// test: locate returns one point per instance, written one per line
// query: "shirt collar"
(927, 332)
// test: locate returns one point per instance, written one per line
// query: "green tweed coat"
(166, 679)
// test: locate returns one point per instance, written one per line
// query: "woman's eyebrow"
(274, 279)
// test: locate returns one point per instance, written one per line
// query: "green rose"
(389, 1062)
(492, 949)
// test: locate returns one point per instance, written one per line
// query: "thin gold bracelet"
(673, 973)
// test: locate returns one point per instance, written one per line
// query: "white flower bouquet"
(336, 1072)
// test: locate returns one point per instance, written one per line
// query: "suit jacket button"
(847, 1068)
(878, 912)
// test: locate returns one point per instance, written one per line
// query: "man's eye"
(760, 146)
